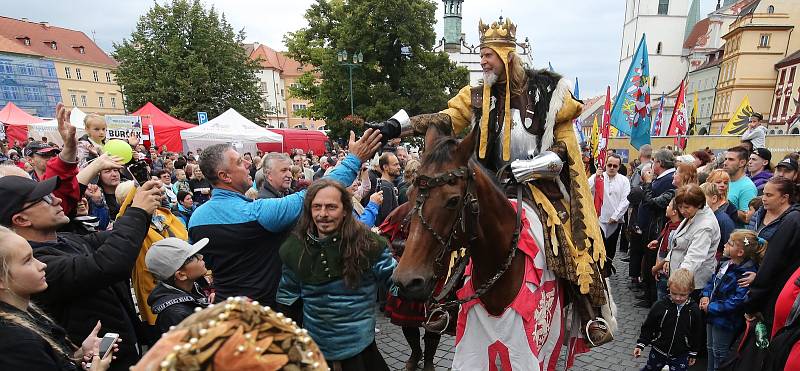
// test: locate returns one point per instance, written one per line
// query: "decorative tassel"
(487, 94)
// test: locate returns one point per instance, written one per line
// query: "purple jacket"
(761, 179)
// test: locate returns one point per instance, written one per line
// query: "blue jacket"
(726, 226)
(369, 214)
(725, 308)
(767, 231)
(245, 236)
(341, 320)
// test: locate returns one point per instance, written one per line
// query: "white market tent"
(49, 129)
(229, 127)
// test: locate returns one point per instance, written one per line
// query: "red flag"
(602, 146)
(602, 142)
(680, 118)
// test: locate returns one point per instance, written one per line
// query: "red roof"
(15, 116)
(14, 46)
(698, 36)
(68, 42)
(271, 59)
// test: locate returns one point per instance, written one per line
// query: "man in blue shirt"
(243, 254)
(741, 188)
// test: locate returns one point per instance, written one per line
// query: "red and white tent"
(15, 122)
(167, 129)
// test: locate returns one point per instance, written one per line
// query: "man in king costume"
(523, 117)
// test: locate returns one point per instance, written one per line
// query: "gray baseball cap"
(165, 257)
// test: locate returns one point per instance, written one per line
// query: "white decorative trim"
(560, 94)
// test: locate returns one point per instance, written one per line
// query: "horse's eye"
(452, 202)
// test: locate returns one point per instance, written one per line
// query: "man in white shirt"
(615, 201)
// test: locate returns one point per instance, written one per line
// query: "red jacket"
(68, 190)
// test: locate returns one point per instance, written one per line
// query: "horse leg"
(412, 337)
(431, 344)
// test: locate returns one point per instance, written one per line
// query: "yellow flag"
(594, 139)
(613, 132)
(738, 122)
(693, 117)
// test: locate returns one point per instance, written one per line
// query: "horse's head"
(436, 220)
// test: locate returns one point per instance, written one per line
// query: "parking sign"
(202, 117)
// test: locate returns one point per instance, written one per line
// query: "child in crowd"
(181, 182)
(752, 207)
(662, 244)
(715, 200)
(673, 327)
(180, 271)
(723, 297)
(91, 145)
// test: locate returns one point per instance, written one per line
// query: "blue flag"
(631, 112)
(576, 92)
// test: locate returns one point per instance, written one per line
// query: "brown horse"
(449, 180)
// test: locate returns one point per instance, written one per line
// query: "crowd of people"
(90, 245)
(712, 236)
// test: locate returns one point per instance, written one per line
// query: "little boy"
(91, 144)
(179, 268)
(673, 327)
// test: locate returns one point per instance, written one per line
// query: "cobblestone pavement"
(615, 355)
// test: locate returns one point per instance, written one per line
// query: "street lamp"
(358, 58)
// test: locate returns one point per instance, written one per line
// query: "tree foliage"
(186, 59)
(399, 69)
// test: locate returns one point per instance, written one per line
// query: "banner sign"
(121, 127)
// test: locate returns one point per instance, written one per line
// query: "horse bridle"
(468, 204)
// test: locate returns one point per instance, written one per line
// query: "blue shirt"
(245, 236)
(741, 192)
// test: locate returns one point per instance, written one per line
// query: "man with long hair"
(337, 263)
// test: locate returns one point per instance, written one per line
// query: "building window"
(101, 101)
(94, 75)
(83, 100)
(6, 67)
(658, 48)
(663, 7)
(113, 102)
(82, 50)
(53, 45)
(763, 41)
(108, 76)
(74, 100)
(655, 80)
(32, 94)
(770, 9)
(10, 92)
(296, 107)
(78, 74)
(68, 72)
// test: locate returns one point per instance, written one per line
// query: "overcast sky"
(579, 37)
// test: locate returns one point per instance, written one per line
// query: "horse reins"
(467, 203)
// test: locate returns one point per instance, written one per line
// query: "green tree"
(399, 69)
(186, 59)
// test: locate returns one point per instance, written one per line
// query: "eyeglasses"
(46, 198)
(193, 258)
(612, 166)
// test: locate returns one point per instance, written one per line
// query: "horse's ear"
(432, 135)
(467, 146)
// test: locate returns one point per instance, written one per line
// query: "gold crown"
(502, 33)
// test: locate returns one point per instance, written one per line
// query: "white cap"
(165, 257)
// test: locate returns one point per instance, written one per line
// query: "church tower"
(452, 25)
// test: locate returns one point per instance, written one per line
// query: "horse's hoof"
(413, 362)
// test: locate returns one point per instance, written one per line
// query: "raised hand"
(67, 133)
(148, 196)
(366, 146)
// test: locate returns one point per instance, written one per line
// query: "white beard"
(490, 78)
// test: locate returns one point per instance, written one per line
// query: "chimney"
(45, 25)
(24, 19)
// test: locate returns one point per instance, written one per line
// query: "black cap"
(15, 191)
(40, 148)
(788, 162)
(763, 153)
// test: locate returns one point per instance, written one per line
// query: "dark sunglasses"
(193, 258)
(612, 166)
(46, 198)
